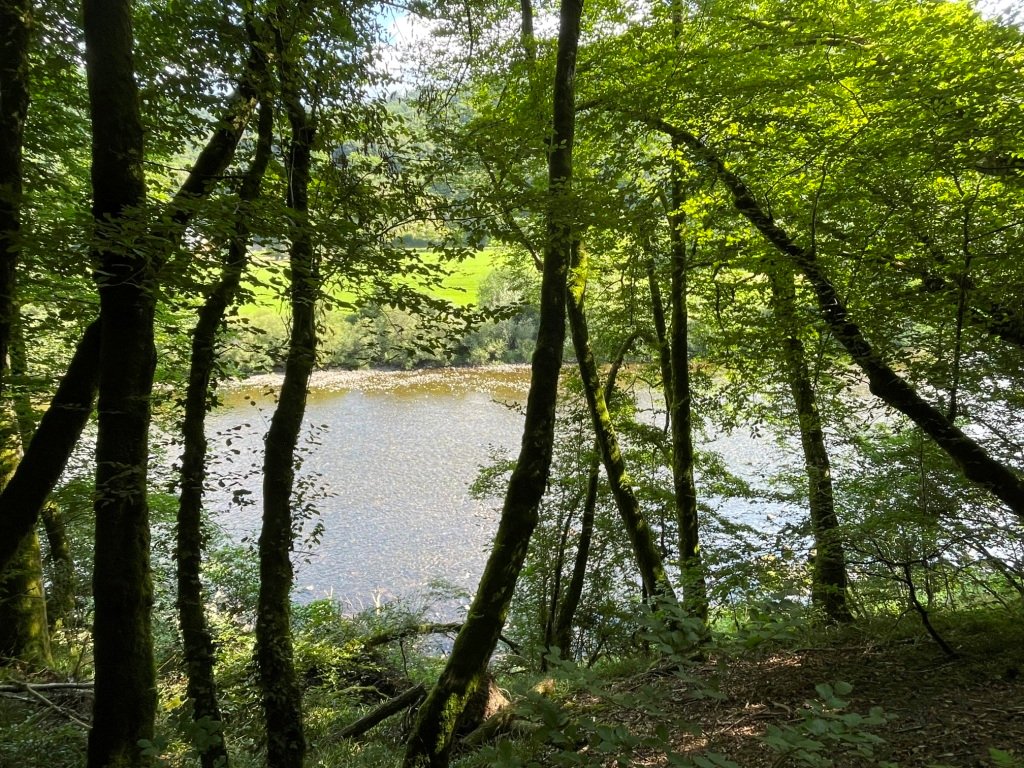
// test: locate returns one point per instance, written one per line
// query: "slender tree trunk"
(431, 739)
(125, 693)
(15, 21)
(282, 696)
(829, 583)
(24, 634)
(562, 630)
(661, 331)
(60, 598)
(197, 643)
(641, 536)
(883, 381)
(691, 567)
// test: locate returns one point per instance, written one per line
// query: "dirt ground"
(939, 711)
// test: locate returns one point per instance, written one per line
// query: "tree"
(125, 703)
(431, 739)
(197, 643)
(282, 699)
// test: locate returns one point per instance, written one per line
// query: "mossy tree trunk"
(197, 642)
(561, 631)
(24, 631)
(24, 635)
(53, 440)
(125, 689)
(972, 459)
(281, 693)
(829, 582)
(431, 739)
(641, 536)
(691, 567)
(60, 597)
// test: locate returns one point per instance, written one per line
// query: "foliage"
(826, 730)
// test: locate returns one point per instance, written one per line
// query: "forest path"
(939, 712)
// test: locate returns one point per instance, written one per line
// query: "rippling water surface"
(388, 460)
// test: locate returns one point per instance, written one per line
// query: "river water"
(387, 460)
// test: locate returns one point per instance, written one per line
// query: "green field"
(268, 305)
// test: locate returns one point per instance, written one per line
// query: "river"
(387, 460)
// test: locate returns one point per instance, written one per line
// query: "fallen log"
(390, 707)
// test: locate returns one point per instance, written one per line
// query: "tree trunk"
(829, 583)
(62, 424)
(197, 643)
(883, 381)
(661, 331)
(431, 739)
(15, 21)
(24, 632)
(282, 697)
(691, 569)
(645, 546)
(561, 635)
(125, 700)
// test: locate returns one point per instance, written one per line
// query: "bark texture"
(972, 459)
(125, 694)
(15, 22)
(197, 643)
(431, 739)
(829, 582)
(691, 567)
(281, 693)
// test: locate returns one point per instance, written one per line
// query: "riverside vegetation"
(797, 220)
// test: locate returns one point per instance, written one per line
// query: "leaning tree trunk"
(883, 381)
(561, 634)
(828, 580)
(431, 739)
(691, 567)
(197, 642)
(51, 445)
(641, 536)
(125, 691)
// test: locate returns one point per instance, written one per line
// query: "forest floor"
(939, 711)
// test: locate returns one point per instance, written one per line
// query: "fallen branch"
(19, 687)
(384, 711)
(34, 696)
